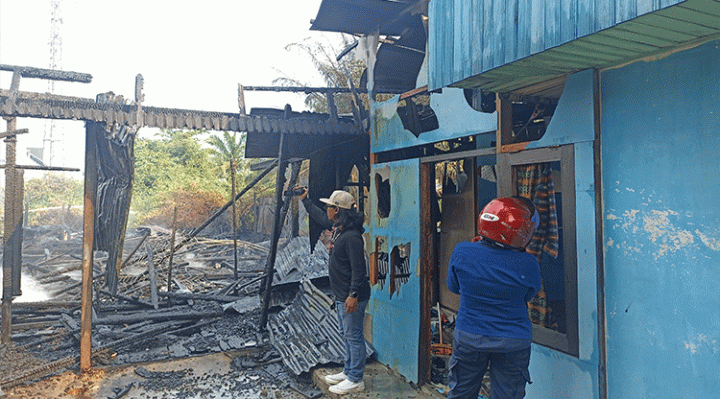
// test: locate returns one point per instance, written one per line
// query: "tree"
(323, 55)
(170, 161)
(230, 148)
(49, 197)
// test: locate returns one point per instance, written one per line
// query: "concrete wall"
(661, 177)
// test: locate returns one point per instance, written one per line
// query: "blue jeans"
(351, 329)
(508, 369)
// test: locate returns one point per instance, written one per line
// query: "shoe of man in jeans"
(347, 386)
(333, 379)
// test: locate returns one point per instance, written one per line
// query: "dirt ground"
(211, 376)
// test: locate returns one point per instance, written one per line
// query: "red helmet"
(508, 221)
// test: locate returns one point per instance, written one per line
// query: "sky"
(192, 54)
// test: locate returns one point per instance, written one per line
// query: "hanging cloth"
(534, 182)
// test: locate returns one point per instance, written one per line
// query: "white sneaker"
(333, 379)
(346, 386)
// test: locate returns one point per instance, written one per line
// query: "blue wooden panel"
(568, 20)
(645, 6)
(396, 319)
(585, 17)
(537, 26)
(523, 37)
(487, 48)
(478, 21)
(660, 178)
(604, 14)
(460, 28)
(495, 38)
(498, 34)
(552, 23)
(511, 31)
(625, 10)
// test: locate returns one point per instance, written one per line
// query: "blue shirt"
(494, 285)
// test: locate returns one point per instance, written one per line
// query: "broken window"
(416, 114)
(399, 267)
(382, 189)
(546, 176)
(379, 263)
(530, 115)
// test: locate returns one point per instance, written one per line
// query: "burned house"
(606, 112)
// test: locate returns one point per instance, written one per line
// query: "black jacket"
(347, 269)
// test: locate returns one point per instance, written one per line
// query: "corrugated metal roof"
(295, 262)
(364, 16)
(686, 24)
(306, 333)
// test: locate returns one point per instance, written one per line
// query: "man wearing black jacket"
(348, 281)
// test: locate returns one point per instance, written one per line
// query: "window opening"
(382, 189)
(546, 176)
(379, 262)
(399, 267)
(416, 114)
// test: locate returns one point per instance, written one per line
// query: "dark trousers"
(468, 364)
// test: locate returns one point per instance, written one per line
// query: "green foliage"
(49, 197)
(172, 160)
(52, 190)
(182, 169)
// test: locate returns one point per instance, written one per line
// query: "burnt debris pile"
(192, 303)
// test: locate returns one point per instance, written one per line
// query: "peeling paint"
(661, 227)
(712, 243)
(702, 343)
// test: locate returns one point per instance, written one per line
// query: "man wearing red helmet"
(495, 279)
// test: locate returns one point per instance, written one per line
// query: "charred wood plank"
(199, 297)
(127, 299)
(156, 316)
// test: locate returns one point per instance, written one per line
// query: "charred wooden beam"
(199, 297)
(52, 106)
(156, 316)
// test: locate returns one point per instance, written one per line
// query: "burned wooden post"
(172, 251)
(91, 182)
(234, 221)
(12, 233)
(270, 265)
(153, 277)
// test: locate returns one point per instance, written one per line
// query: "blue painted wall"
(469, 37)
(661, 178)
(455, 119)
(396, 320)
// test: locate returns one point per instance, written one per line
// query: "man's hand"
(304, 194)
(351, 304)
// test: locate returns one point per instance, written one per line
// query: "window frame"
(507, 186)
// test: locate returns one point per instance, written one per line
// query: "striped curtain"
(534, 182)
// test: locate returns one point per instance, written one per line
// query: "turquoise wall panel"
(559, 376)
(503, 31)
(455, 119)
(574, 117)
(396, 318)
(661, 178)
